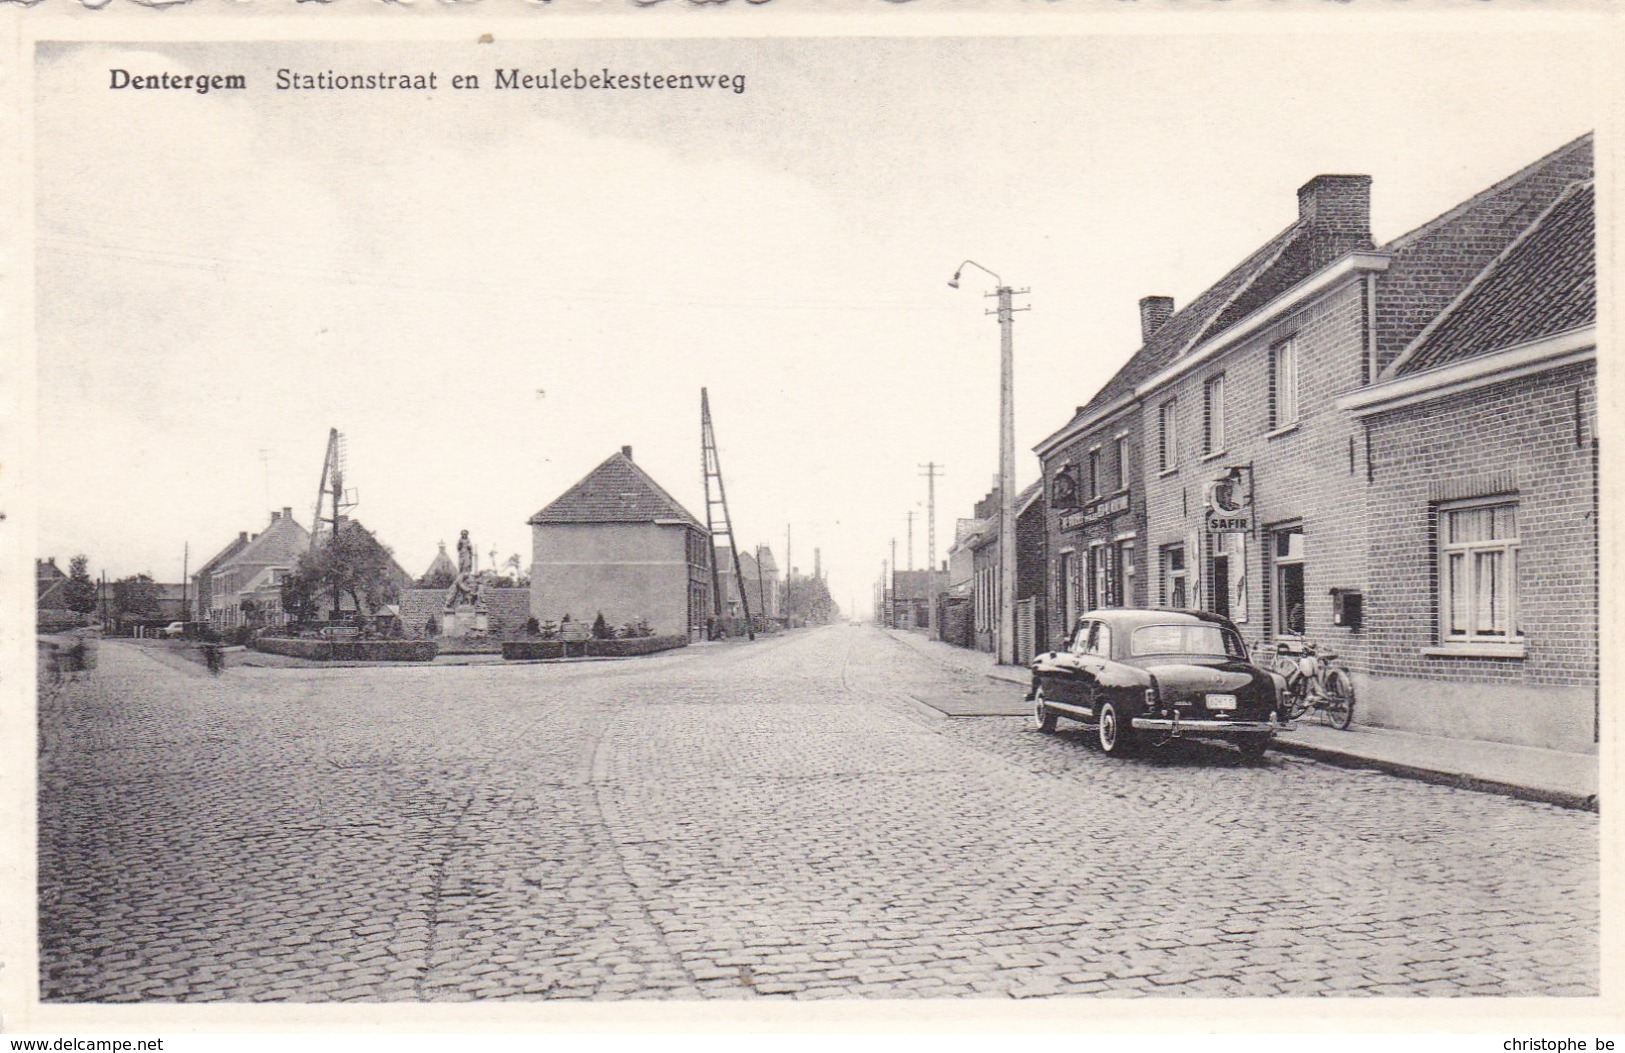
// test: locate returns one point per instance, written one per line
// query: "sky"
(490, 292)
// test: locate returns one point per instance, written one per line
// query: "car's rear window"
(1202, 639)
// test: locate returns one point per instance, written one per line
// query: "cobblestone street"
(742, 821)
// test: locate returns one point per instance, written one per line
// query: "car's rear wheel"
(1112, 730)
(1043, 716)
(1339, 703)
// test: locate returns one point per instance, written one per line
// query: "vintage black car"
(1149, 676)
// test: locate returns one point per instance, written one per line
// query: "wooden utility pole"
(186, 556)
(789, 583)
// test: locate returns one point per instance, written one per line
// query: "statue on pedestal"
(465, 588)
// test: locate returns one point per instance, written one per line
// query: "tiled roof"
(234, 546)
(1544, 284)
(1204, 316)
(279, 546)
(965, 529)
(765, 554)
(1026, 497)
(441, 564)
(1431, 265)
(616, 491)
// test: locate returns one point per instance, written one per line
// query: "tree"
(135, 597)
(79, 593)
(813, 604)
(352, 563)
(301, 591)
(437, 579)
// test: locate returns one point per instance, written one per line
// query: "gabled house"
(202, 600)
(1483, 500)
(49, 585)
(246, 587)
(618, 544)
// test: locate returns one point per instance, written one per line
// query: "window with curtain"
(1478, 572)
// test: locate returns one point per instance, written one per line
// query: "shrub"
(533, 627)
(601, 629)
(431, 627)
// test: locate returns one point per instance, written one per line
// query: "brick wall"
(1303, 474)
(1076, 542)
(1518, 435)
(509, 609)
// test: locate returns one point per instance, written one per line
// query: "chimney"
(275, 516)
(626, 451)
(287, 511)
(1335, 212)
(242, 535)
(1154, 314)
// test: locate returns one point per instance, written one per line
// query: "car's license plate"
(1221, 701)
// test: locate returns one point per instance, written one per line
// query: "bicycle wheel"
(1295, 699)
(1339, 701)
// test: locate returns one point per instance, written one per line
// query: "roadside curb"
(1459, 780)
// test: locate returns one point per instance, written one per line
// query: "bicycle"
(1313, 682)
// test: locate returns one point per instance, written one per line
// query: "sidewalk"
(1565, 779)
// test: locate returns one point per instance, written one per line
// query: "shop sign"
(1096, 510)
(1230, 502)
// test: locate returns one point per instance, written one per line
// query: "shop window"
(1174, 577)
(1287, 550)
(1478, 572)
(1283, 385)
(1168, 436)
(1213, 415)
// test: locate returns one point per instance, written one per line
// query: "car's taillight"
(1151, 694)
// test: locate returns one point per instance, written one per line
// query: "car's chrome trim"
(1207, 727)
(1070, 710)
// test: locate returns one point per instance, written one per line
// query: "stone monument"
(464, 614)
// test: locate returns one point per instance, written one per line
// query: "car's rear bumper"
(1176, 727)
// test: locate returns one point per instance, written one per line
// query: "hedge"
(635, 645)
(515, 650)
(349, 650)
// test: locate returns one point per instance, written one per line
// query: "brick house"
(981, 541)
(1257, 472)
(246, 587)
(1483, 503)
(616, 543)
(203, 578)
(1032, 572)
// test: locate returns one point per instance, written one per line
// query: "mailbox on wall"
(1346, 608)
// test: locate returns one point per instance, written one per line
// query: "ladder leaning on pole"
(713, 471)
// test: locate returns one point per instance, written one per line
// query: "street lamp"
(1007, 462)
